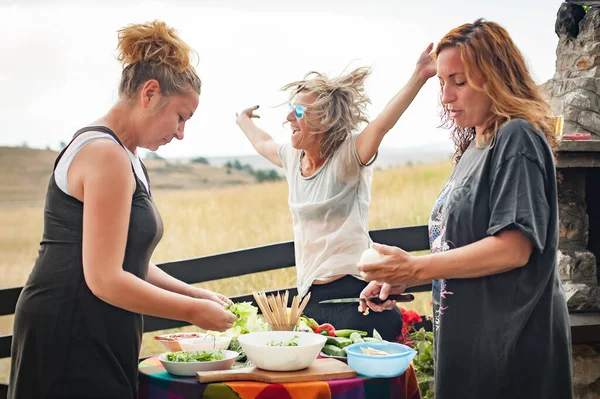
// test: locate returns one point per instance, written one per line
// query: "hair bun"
(153, 42)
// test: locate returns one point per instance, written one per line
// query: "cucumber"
(333, 350)
(347, 333)
(338, 341)
(370, 339)
(356, 338)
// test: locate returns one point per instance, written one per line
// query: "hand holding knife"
(374, 299)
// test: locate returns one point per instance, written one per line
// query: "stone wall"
(574, 93)
(577, 265)
(574, 89)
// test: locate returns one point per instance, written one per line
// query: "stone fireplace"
(574, 94)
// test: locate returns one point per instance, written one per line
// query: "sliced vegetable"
(376, 335)
(347, 333)
(194, 357)
(333, 350)
(338, 341)
(373, 351)
(291, 342)
(355, 337)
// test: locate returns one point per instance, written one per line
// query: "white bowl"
(282, 358)
(173, 346)
(204, 343)
(190, 368)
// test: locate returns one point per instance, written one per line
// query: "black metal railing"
(234, 264)
(585, 328)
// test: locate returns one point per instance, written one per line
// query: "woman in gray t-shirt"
(328, 169)
(501, 325)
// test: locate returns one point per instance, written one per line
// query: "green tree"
(200, 160)
(273, 175)
(153, 155)
(260, 176)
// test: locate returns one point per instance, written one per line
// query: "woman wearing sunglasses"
(328, 169)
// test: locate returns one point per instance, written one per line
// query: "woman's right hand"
(426, 65)
(382, 290)
(209, 315)
(247, 113)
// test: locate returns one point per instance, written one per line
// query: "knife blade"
(374, 299)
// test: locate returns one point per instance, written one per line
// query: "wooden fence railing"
(585, 328)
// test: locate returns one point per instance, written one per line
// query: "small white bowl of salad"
(187, 363)
(282, 350)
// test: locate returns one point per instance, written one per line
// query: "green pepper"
(310, 322)
(347, 333)
(338, 341)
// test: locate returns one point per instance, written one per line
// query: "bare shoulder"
(103, 163)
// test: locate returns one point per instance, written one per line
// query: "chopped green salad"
(291, 342)
(194, 356)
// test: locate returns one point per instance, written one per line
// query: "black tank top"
(67, 342)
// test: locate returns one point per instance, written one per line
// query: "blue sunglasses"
(299, 110)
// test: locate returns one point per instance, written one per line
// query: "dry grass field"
(205, 221)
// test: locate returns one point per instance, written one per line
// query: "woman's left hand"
(398, 267)
(426, 65)
(222, 300)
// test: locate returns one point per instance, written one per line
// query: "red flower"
(409, 318)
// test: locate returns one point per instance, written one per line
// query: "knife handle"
(396, 297)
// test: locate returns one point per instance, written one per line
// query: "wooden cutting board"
(319, 370)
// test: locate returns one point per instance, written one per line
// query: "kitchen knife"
(375, 299)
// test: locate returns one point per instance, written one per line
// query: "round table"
(156, 383)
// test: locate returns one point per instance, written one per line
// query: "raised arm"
(103, 171)
(262, 142)
(368, 141)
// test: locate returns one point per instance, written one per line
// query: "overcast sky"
(58, 69)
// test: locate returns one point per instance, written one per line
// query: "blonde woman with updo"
(78, 322)
(328, 167)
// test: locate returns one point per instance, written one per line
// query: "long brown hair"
(486, 48)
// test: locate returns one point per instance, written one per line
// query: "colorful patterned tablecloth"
(156, 383)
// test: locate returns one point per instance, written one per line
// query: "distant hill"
(388, 157)
(25, 172)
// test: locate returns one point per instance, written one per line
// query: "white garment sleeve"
(286, 156)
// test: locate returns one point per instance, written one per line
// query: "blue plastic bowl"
(393, 365)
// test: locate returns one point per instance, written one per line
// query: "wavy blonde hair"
(154, 51)
(486, 48)
(339, 108)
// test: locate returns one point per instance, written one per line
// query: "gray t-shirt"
(505, 335)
